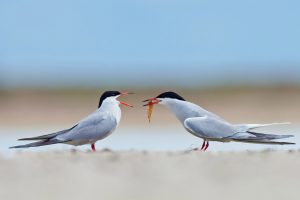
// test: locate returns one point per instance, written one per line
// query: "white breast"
(112, 107)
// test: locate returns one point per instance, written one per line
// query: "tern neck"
(183, 109)
(111, 107)
(110, 104)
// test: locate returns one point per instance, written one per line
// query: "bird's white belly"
(207, 138)
(80, 142)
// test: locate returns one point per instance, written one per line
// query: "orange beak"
(125, 94)
(150, 104)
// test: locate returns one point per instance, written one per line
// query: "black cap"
(171, 95)
(106, 95)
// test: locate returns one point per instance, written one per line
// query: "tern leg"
(93, 147)
(203, 145)
(206, 146)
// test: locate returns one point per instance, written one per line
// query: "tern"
(210, 127)
(96, 126)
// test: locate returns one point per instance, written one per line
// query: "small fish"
(150, 109)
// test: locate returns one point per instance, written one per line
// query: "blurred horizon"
(170, 76)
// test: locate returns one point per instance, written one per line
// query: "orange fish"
(150, 109)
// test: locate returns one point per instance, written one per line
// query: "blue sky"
(180, 42)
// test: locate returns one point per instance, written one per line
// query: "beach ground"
(150, 175)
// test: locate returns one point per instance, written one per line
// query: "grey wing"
(94, 127)
(209, 128)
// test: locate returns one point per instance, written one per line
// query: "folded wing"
(216, 129)
(208, 127)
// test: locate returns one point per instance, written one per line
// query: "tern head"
(169, 95)
(112, 96)
(164, 99)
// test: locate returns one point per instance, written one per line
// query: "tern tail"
(259, 138)
(246, 134)
(248, 127)
(269, 136)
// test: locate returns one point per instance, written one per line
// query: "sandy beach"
(151, 175)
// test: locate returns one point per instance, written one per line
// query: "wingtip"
(286, 136)
(27, 139)
(288, 143)
(14, 147)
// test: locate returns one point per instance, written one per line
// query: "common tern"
(210, 127)
(96, 126)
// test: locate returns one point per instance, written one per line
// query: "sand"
(150, 175)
